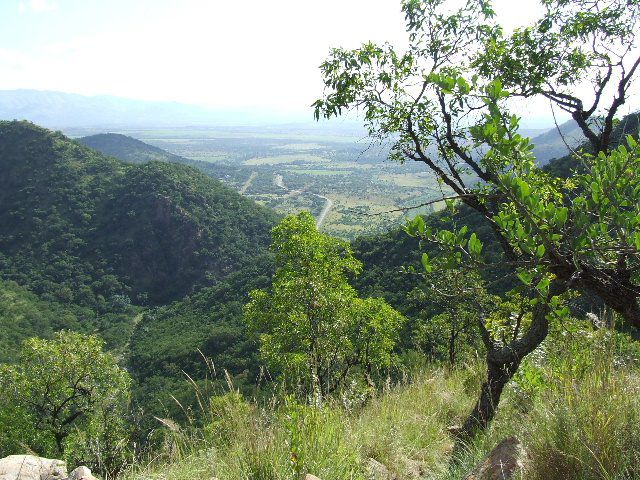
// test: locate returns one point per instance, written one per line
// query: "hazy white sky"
(251, 53)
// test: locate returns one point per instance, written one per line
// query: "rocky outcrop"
(81, 473)
(504, 462)
(30, 467)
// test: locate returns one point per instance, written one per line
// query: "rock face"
(29, 467)
(504, 462)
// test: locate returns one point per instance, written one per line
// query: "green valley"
(437, 279)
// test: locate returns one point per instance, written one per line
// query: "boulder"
(377, 471)
(504, 462)
(308, 476)
(81, 473)
(30, 467)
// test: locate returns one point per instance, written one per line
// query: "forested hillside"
(156, 322)
(128, 149)
(170, 341)
(99, 236)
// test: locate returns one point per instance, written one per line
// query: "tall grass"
(576, 411)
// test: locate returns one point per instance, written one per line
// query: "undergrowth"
(575, 406)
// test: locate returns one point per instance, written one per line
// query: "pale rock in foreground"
(377, 471)
(81, 473)
(308, 476)
(504, 462)
(30, 467)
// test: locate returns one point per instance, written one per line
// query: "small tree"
(65, 397)
(313, 328)
(450, 302)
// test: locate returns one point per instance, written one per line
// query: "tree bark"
(498, 375)
(502, 364)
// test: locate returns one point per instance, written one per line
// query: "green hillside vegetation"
(551, 408)
(85, 228)
(202, 336)
(91, 237)
(210, 339)
(128, 149)
(23, 315)
(171, 341)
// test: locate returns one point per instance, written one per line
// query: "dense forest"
(101, 238)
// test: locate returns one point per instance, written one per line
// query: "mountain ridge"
(68, 211)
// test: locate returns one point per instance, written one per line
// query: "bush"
(66, 398)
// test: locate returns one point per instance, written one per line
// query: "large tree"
(313, 328)
(445, 102)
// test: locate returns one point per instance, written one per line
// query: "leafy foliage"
(65, 396)
(313, 329)
(451, 89)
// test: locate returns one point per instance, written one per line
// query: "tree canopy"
(446, 102)
(67, 397)
(313, 328)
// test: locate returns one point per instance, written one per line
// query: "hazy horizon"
(255, 56)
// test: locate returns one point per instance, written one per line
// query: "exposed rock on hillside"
(30, 467)
(504, 462)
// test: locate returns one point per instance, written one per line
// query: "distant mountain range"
(68, 110)
(102, 113)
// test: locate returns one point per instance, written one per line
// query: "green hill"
(92, 237)
(78, 225)
(128, 149)
(131, 150)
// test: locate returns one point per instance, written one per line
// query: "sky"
(222, 53)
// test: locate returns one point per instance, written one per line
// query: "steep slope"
(77, 226)
(171, 341)
(24, 315)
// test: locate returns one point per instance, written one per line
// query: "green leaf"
(475, 245)
(426, 263)
(525, 277)
(561, 215)
(543, 286)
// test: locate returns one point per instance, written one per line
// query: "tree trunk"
(502, 364)
(498, 375)
(452, 347)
